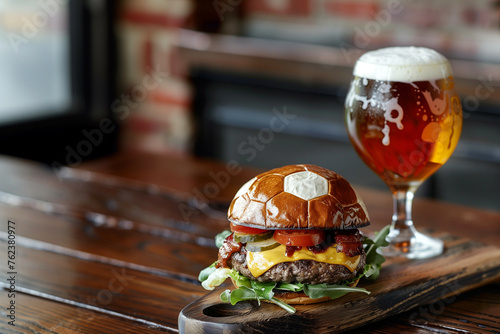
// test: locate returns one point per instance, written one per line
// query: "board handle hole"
(228, 310)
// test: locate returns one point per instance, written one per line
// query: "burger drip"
(291, 249)
(321, 248)
(228, 248)
(349, 242)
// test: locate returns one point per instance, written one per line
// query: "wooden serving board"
(403, 285)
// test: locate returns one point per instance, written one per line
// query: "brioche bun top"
(298, 197)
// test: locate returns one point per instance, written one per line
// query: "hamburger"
(294, 239)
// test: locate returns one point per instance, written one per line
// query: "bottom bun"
(299, 298)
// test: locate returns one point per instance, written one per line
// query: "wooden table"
(115, 245)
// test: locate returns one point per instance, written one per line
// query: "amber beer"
(403, 119)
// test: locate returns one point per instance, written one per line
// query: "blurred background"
(261, 82)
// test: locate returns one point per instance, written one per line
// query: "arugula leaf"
(374, 244)
(331, 290)
(294, 287)
(225, 296)
(244, 293)
(219, 238)
(258, 294)
(372, 272)
(374, 260)
(283, 305)
(264, 290)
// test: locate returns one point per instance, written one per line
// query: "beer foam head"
(404, 64)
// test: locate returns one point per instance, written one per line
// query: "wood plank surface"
(476, 311)
(106, 287)
(121, 170)
(402, 285)
(178, 175)
(37, 315)
(464, 221)
(167, 255)
(78, 231)
(102, 204)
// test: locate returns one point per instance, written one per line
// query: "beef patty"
(304, 271)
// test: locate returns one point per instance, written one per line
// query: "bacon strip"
(349, 242)
(292, 249)
(228, 248)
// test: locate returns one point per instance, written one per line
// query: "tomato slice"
(299, 237)
(246, 229)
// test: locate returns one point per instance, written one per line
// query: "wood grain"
(105, 287)
(123, 213)
(39, 316)
(182, 176)
(102, 204)
(167, 255)
(475, 311)
(468, 222)
(402, 285)
(136, 171)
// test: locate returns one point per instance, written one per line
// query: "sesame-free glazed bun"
(298, 197)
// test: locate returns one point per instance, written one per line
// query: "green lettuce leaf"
(219, 238)
(216, 278)
(206, 272)
(225, 296)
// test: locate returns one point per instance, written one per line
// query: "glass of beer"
(404, 119)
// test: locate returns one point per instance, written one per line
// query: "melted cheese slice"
(260, 262)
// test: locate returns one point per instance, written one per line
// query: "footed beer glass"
(404, 119)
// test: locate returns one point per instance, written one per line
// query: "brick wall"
(154, 105)
(462, 28)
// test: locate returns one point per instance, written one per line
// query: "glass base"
(411, 244)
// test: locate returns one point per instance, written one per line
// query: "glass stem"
(401, 218)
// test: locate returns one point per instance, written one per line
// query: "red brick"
(352, 9)
(143, 18)
(138, 124)
(148, 53)
(289, 8)
(163, 97)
